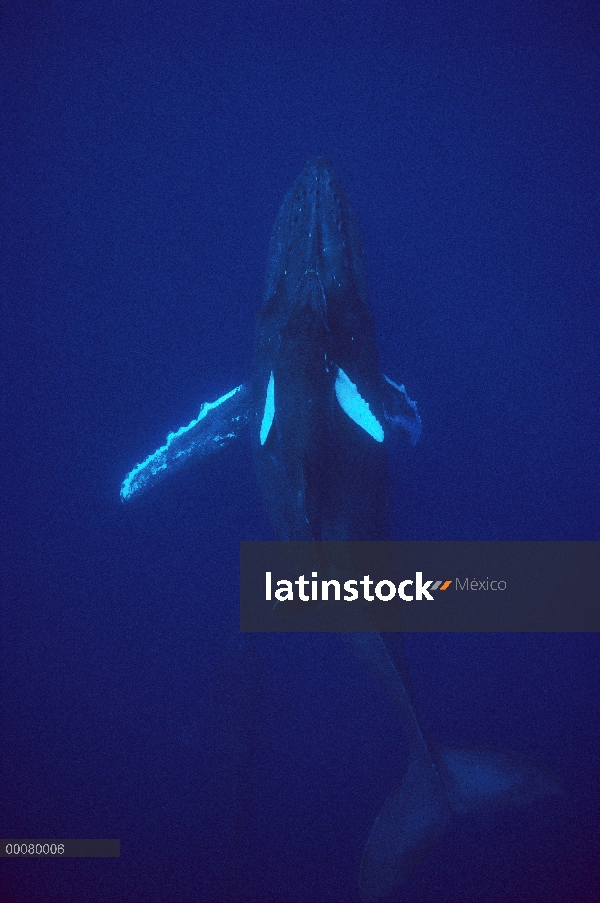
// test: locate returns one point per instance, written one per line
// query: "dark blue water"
(145, 152)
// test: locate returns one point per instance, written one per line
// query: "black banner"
(420, 586)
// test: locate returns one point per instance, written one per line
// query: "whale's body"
(321, 415)
(322, 463)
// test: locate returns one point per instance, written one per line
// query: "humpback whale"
(322, 416)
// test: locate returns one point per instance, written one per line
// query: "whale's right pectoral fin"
(400, 411)
(217, 425)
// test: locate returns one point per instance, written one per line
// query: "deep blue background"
(145, 151)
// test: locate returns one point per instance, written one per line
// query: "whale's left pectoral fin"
(217, 425)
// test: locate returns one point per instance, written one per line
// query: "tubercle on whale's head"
(316, 231)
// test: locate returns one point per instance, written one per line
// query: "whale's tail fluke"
(439, 783)
(412, 818)
(486, 778)
(415, 814)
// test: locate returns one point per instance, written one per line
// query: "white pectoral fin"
(355, 406)
(401, 411)
(217, 425)
(269, 411)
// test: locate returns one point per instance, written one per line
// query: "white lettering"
(351, 591)
(301, 583)
(315, 594)
(401, 590)
(421, 588)
(391, 590)
(325, 584)
(287, 588)
(366, 583)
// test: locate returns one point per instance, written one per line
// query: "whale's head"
(316, 232)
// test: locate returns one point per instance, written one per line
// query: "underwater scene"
(293, 271)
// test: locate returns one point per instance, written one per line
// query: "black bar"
(58, 849)
(479, 586)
